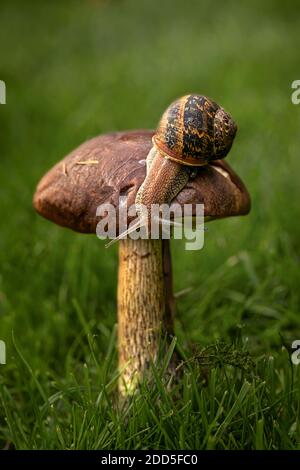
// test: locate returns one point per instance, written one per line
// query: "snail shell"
(194, 130)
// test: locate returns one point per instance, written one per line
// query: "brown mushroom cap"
(112, 165)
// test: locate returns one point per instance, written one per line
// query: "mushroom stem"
(142, 313)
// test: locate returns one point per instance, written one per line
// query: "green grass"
(74, 70)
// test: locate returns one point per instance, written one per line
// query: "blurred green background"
(77, 69)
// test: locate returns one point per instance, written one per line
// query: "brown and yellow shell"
(194, 130)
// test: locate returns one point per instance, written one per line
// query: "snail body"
(192, 132)
(164, 180)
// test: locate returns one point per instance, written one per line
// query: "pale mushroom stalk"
(146, 307)
(141, 308)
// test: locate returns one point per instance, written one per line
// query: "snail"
(192, 132)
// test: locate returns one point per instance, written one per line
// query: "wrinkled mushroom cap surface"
(112, 165)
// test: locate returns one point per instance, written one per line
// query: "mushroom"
(99, 172)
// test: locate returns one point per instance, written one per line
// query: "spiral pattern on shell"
(194, 130)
